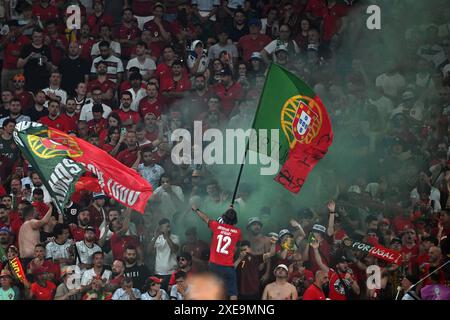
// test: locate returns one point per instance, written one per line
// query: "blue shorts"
(228, 275)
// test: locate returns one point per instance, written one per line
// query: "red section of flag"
(303, 157)
(116, 180)
(17, 269)
(87, 183)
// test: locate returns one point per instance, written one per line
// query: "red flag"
(306, 152)
(117, 181)
(17, 269)
(87, 183)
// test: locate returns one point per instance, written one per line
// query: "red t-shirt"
(26, 100)
(127, 115)
(127, 157)
(125, 33)
(332, 21)
(401, 223)
(97, 126)
(118, 244)
(337, 291)
(142, 8)
(250, 45)
(104, 86)
(147, 107)
(12, 52)
(14, 223)
(229, 96)
(313, 293)
(96, 22)
(43, 293)
(41, 208)
(86, 49)
(45, 14)
(61, 123)
(72, 121)
(223, 243)
(156, 33)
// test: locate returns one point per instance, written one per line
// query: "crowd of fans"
(137, 70)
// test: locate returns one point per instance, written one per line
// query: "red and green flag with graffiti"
(289, 105)
(61, 161)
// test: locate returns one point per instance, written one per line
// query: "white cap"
(282, 266)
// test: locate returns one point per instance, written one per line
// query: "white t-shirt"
(202, 66)
(174, 294)
(391, 84)
(147, 296)
(151, 174)
(435, 195)
(167, 205)
(115, 66)
(137, 97)
(58, 251)
(87, 115)
(166, 261)
(57, 92)
(115, 47)
(89, 274)
(205, 5)
(384, 105)
(85, 253)
(148, 64)
(121, 294)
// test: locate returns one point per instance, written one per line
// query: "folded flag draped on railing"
(61, 160)
(289, 105)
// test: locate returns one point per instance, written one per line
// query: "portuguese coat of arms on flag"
(289, 105)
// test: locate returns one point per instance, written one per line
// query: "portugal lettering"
(63, 177)
(122, 193)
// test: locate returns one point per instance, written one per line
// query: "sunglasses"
(182, 259)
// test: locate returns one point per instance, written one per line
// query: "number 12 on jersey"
(223, 242)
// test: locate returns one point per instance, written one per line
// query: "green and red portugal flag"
(61, 160)
(289, 105)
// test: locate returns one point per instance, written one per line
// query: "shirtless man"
(260, 244)
(280, 289)
(29, 232)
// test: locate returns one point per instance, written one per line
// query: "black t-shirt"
(139, 274)
(73, 72)
(46, 236)
(36, 115)
(36, 74)
(71, 213)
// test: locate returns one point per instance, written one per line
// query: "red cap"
(155, 279)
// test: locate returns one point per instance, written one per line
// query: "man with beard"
(98, 270)
(117, 275)
(343, 284)
(78, 230)
(38, 110)
(15, 112)
(70, 114)
(184, 264)
(115, 66)
(55, 119)
(129, 117)
(315, 291)
(198, 97)
(84, 250)
(176, 84)
(228, 91)
(280, 289)
(5, 239)
(121, 237)
(129, 156)
(145, 64)
(97, 213)
(25, 97)
(240, 27)
(152, 103)
(127, 33)
(74, 69)
(103, 82)
(29, 235)
(139, 273)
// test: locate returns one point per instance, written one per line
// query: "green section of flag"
(280, 86)
(57, 171)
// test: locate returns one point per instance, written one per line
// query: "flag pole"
(236, 187)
